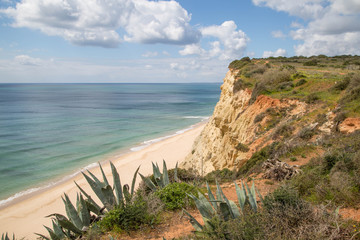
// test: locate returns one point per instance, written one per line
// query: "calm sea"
(49, 131)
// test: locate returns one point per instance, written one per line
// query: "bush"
(242, 147)
(312, 62)
(284, 130)
(306, 133)
(341, 85)
(174, 195)
(238, 64)
(300, 82)
(129, 217)
(312, 98)
(223, 175)
(259, 117)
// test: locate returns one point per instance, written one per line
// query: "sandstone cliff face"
(233, 125)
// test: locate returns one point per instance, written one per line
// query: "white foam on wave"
(197, 117)
(51, 184)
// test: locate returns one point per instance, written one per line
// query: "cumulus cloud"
(278, 34)
(150, 54)
(331, 28)
(278, 53)
(97, 23)
(27, 60)
(230, 42)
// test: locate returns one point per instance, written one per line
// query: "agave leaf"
(241, 195)
(127, 195)
(97, 189)
(66, 224)
(148, 182)
(157, 175)
(252, 198)
(203, 206)
(211, 197)
(103, 175)
(72, 213)
(84, 212)
(218, 192)
(133, 182)
(165, 176)
(176, 173)
(260, 196)
(96, 208)
(117, 185)
(194, 222)
(40, 235)
(234, 209)
(53, 236)
(230, 207)
(225, 211)
(57, 230)
(110, 198)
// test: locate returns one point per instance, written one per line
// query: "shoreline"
(29, 211)
(19, 196)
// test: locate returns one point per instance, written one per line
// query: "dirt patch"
(349, 125)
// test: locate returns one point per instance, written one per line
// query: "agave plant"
(79, 219)
(5, 236)
(109, 196)
(161, 179)
(222, 207)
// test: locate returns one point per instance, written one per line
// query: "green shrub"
(256, 159)
(311, 98)
(242, 147)
(128, 217)
(223, 175)
(306, 133)
(238, 64)
(259, 117)
(174, 195)
(341, 85)
(312, 62)
(300, 82)
(284, 130)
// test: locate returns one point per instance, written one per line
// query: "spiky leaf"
(165, 176)
(117, 185)
(95, 207)
(133, 182)
(203, 206)
(84, 212)
(194, 222)
(104, 176)
(72, 213)
(176, 173)
(252, 197)
(57, 230)
(97, 189)
(53, 236)
(148, 182)
(241, 195)
(211, 197)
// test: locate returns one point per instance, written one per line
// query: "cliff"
(257, 103)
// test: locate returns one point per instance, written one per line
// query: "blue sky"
(164, 41)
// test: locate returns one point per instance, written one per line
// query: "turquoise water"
(48, 131)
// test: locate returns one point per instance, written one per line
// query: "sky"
(110, 41)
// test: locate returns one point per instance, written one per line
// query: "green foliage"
(174, 195)
(306, 133)
(333, 177)
(259, 117)
(223, 175)
(240, 84)
(126, 218)
(184, 175)
(160, 180)
(242, 147)
(256, 160)
(300, 82)
(222, 208)
(238, 64)
(341, 85)
(312, 62)
(284, 130)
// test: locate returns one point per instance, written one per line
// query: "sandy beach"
(27, 216)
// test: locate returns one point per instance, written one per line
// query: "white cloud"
(301, 8)
(150, 54)
(278, 53)
(332, 29)
(97, 23)
(278, 34)
(230, 44)
(27, 60)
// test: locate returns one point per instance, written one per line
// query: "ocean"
(49, 132)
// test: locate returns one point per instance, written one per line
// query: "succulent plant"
(222, 207)
(79, 218)
(161, 179)
(5, 236)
